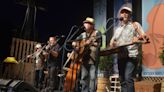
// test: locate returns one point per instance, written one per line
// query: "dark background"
(57, 17)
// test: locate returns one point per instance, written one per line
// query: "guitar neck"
(138, 42)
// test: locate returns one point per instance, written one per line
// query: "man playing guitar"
(127, 32)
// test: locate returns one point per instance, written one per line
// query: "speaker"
(16, 86)
(4, 83)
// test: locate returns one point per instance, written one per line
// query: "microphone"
(121, 18)
(82, 27)
(62, 36)
(45, 43)
(48, 42)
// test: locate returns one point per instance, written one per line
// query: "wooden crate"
(115, 84)
(24, 70)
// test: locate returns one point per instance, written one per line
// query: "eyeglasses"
(36, 48)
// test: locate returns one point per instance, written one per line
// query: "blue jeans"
(126, 72)
(115, 64)
(88, 78)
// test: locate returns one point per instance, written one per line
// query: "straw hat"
(89, 20)
(11, 60)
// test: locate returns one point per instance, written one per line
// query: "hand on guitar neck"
(141, 39)
(88, 41)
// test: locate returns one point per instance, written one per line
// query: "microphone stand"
(69, 37)
(115, 20)
(108, 20)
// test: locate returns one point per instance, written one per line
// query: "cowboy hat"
(126, 8)
(38, 45)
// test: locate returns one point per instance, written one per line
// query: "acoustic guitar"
(109, 51)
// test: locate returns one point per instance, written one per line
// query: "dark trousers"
(126, 68)
(39, 78)
(52, 79)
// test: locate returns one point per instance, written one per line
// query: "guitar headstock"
(142, 42)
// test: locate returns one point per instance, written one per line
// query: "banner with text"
(152, 22)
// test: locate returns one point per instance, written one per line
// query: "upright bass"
(76, 57)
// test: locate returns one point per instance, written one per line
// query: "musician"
(92, 45)
(127, 32)
(39, 56)
(53, 60)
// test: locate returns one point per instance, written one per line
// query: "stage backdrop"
(153, 24)
(99, 13)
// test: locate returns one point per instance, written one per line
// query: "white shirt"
(124, 34)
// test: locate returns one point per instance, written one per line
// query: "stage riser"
(147, 86)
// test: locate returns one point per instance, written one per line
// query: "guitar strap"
(88, 36)
(138, 29)
(120, 33)
(88, 49)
